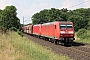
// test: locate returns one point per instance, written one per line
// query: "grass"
(15, 47)
(86, 39)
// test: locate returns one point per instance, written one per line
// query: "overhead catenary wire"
(66, 1)
(79, 4)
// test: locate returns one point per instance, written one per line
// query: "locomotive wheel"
(56, 42)
(46, 39)
(62, 44)
(65, 44)
(49, 40)
(52, 40)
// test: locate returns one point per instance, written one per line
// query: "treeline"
(80, 17)
(9, 19)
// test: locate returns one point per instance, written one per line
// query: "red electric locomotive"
(60, 31)
(37, 30)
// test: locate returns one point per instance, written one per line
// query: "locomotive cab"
(66, 32)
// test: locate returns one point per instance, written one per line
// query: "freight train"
(57, 32)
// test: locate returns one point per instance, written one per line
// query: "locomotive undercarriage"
(66, 41)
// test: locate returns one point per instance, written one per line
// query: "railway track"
(81, 54)
(77, 51)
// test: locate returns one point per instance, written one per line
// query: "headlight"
(62, 32)
(70, 32)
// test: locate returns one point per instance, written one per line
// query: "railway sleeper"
(66, 43)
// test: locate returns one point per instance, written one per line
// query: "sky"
(27, 8)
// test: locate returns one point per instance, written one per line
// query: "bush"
(82, 33)
(20, 33)
(13, 29)
(3, 30)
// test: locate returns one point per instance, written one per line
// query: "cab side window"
(55, 26)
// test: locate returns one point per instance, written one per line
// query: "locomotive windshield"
(66, 26)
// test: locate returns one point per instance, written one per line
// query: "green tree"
(80, 17)
(50, 15)
(8, 17)
(82, 33)
(78, 21)
(89, 25)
